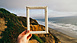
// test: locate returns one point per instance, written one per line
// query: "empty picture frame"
(46, 19)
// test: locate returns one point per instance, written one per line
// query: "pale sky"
(56, 8)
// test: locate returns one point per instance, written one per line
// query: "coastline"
(63, 37)
(66, 31)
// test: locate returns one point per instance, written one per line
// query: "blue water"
(65, 23)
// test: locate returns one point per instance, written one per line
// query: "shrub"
(37, 38)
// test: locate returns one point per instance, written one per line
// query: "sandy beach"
(63, 37)
(68, 32)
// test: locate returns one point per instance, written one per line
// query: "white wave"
(65, 27)
(42, 23)
(62, 25)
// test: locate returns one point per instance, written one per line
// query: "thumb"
(27, 34)
(30, 35)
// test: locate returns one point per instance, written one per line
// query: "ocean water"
(68, 24)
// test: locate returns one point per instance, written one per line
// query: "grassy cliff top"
(15, 25)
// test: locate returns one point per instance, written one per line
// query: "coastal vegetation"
(17, 24)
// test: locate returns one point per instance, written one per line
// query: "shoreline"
(62, 37)
(65, 31)
(62, 34)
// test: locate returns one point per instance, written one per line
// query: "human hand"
(24, 37)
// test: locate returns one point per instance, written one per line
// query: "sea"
(62, 24)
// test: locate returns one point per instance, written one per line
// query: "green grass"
(14, 27)
(37, 38)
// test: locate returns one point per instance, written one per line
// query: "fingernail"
(28, 31)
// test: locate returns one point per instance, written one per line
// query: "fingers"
(28, 37)
(23, 33)
(27, 33)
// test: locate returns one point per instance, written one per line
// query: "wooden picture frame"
(46, 19)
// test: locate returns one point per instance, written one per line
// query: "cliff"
(11, 26)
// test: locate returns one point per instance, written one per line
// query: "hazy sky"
(56, 8)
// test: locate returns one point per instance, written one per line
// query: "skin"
(24, 37)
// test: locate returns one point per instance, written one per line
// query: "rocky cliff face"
(2, 25)
(37, 28)
(11, 26)
(47, 38)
